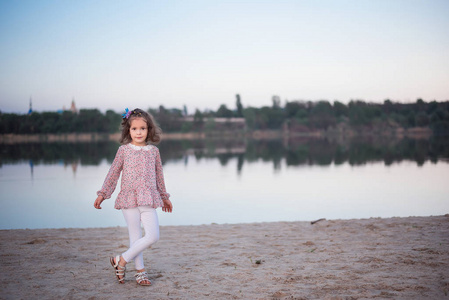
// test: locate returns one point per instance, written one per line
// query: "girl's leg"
(132, 218)
(148, 218)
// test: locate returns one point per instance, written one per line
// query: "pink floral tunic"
(142, 177)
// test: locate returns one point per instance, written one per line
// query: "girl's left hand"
(168, 207)
(98, 202)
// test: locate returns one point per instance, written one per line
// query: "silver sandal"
(119, 270)
(142, 278)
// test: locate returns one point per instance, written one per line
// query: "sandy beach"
(397, 258)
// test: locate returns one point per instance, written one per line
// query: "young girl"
(142, 189)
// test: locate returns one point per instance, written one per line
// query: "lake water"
(53, 185)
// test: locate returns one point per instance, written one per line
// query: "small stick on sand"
(313, 222)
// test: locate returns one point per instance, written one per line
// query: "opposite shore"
(415, 132)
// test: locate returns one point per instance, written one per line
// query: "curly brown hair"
(154, 131)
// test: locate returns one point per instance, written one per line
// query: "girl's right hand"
(168, 207)
(98, 201)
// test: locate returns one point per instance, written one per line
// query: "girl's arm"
(113, 175)
(168, 207)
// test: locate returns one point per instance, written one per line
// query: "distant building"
(31, 108)
(73, 107)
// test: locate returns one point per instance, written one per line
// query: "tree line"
(87, 120)
(309, 115)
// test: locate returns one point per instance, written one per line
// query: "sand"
(397, 258)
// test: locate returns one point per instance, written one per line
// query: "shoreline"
(311, 222)
(400, 133)
(400, 258)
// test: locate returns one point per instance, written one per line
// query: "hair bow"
(127, 113)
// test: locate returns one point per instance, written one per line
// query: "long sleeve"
(160, 177)
(110, 182)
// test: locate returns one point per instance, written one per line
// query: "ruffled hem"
(130, 199)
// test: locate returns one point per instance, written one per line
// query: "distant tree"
(322, 107)
(388, 106)
(50, 122)
(420, 104)
(198, 116)
(35, 122)
(441, 115)
(89, 120)
(302, 115)
(292, 108)
(356, 113)
(9, 123)
(411, 122)
(113, 121)
(322, 115)
(224, 112)
(421, 119)
(271, 117)
(239, 106)
(170, 120)
(67, 120)
(162, 110)
(340, 110)
(276, 100)
(432, 107)
(198, 119)
(250, 117)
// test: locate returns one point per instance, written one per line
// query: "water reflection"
(306, 151)
(53, 185)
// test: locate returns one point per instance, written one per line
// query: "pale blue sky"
(117, 54)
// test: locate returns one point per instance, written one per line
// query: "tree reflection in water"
(303, 151)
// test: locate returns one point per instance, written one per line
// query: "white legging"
(134, 217)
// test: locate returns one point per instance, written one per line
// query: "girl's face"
(138, 131)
